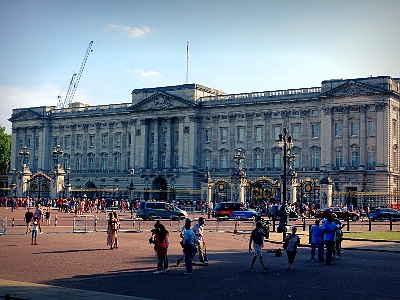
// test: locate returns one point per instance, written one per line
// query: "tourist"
(329, 229)
(188, 247)
(35, 225)
(111, 230)
(257, 239)
(39, 215)
(317, 241)
(198, 230)
(292, 240)
(28, 218)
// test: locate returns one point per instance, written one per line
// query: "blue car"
(382, 214)
(244, 214)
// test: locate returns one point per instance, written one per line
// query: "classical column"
(181, 143)
(362, 135)
(168, 147)
(346, 136)
(156, 148)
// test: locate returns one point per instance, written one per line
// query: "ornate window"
(338, 129)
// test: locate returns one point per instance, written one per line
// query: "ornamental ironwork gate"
(39, 185)
(308, 192)
(263, 189)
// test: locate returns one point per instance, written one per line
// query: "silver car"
(149, 210)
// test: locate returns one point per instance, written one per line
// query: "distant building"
(165, 140)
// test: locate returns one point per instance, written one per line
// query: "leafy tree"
(5, 151)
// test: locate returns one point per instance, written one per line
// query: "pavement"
(67, 265)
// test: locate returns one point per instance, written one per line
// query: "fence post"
(85, 223)
(369, 224)
(304, 223)
(390, 223)
(348, 224)
(139, 225)
(12, 225)
(309, 234)
(73, 224)
(95, 223)
(55, 221)
(273, 225)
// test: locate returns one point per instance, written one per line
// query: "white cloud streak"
(132, 32)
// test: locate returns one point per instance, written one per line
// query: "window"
(91, 163)
(277, 160)
(152, 137)
(240, 134)
(118, 140)
(66, 163)
(104, 140)
(354, 159)
(223, 161)
(338, 129)
(37, 142)
(176, 161)
(79, 164)
(258, 134)
(258, 163)
(177, 136)
(67, 141)
(117, 162)
(207, 161)
(29, 143)
(315, 112)
(129, 139)
(315, 160)
(91, 141)
(55, 141)
(394, 128)
(296, 132)
(151, 162)
(277, 132)
(315, 131)
(79, 140)
(163, 161)
(224, 134)
(104, 164)
(354, 128)
(338, 158)
(371, 159)
(371, 128)
(207, 135)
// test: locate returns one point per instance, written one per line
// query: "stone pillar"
(57, 182)
(238, 186)
(291, 188)
(23, 181)
(326, 190)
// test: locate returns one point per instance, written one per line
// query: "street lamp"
(68, 172)
(239, 157)
(285, 142)
(57, 152)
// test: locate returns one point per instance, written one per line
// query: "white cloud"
(151, 73)
(16, 97)
(132, 32)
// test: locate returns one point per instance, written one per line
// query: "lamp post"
(57, 152)
(239, 157)
(285, 142)
(68, 182)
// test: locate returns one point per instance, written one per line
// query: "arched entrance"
(91, 190)
(39, 185)
(160, 189)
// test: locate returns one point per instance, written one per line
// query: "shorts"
(257, 250)
(34, 234)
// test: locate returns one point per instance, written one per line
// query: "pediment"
(351, 88)
(161, 101)
(25, 115)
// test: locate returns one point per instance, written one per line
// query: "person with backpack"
(257, 239)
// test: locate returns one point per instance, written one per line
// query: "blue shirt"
(329, 231)
(188, 237)
(316, 234)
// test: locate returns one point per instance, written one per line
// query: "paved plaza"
(67, 265)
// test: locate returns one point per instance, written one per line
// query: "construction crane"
(73, 84)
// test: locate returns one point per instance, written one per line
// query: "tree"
(5, 151)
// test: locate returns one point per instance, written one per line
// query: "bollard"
(304, 223)
(369, 224)
(133, 223)
(238, 222)
(95, 223)
(170, 221)
(273, 225)
(55, 221)
(235, 227)
(390, 223)
(309, 234)
(348, 224)
(12, 222)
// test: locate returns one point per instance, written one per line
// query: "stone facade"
(170, 135)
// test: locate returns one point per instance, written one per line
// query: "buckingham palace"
(164, 142)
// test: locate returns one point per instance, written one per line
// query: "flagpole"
(187, 62)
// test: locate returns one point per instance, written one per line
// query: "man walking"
(257, 238)
(199, 240)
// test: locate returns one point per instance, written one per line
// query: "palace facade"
(165, 140)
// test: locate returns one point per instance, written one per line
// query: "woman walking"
(292, 240)
(111, 230)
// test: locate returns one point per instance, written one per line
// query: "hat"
(188, 220)
(334, 215)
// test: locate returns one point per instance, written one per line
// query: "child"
(35, 226)
(48, 217)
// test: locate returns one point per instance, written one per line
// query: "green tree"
(5, 151)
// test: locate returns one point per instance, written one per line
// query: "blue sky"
(234, 46)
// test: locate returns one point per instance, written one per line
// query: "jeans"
(329, 251)
(320, 250)
(188, 257)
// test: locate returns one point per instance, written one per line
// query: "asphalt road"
(83, 261)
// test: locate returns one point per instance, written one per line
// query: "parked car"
(226, 209)
(152, 210)
(340, 212)
(383, 214)
(244, 214)
(273, 213)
